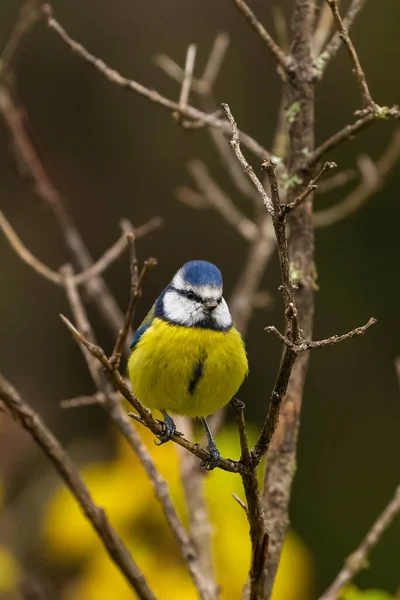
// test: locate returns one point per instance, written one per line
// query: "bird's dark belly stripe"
(197, 374)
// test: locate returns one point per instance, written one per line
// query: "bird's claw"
(169, 429)
(210, 463)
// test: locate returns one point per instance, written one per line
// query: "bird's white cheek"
(222, 316)
(181, 310)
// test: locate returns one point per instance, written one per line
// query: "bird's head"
(194, 298)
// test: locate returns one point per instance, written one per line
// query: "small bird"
(187, 357)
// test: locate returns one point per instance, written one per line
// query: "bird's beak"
(210, 304)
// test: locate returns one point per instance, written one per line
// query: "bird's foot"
(169, 429)
(210, 463)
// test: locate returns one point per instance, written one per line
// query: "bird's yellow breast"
(188, 371)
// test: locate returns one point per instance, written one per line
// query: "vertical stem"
(281, 460)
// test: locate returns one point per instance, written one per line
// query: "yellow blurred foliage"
(123, 489)
(9, 571)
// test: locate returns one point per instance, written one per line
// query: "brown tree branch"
(368, 103)
(305, 345)
(209, 120)
(330, 51)
(349, 131)
(372, 179)
(28, 15)
(96, 287)
(33, 424)
(280, 470)
(309, 189)
(106, 260)
(186, 82)
(255, 513)
(283, 61)
(216, 198)
(135, 293)
(200, 527)
(358, 560)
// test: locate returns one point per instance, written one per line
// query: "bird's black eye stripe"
(192, 296)
(219, 300)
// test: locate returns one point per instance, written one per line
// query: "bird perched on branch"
(187, 357)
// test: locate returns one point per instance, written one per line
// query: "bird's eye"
(219, 300)
(190, 295)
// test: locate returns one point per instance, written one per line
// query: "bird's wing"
(145, 324)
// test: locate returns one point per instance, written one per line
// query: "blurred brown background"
(113, 155)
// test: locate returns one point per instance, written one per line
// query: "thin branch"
(216, 198)
(243, 298)
(113, 76)
(204, 88)
(93, 400)
(33, 424)
(372, 179)
(330, 51)
(358, 561)
(255, 514)
(281, 58)
(187, 81)
(249, 171)
(25, 254)
(338, 180)
(96, 287)
(28, 15)
(200, 527)
(302, 197)
(305, 345)
(146, 417)
(357, 69)
(214, 63)
(106, 260)
(323, 30)
(134, 295)
(348, 132)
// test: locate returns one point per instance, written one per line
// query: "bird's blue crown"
(201, 272)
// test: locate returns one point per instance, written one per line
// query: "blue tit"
(187, 356)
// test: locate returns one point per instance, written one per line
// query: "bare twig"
(323, 30)
(281, 58)
(28, 15)
(204, 88)
(372, 179)
(338, 180)
(187, 81)
(200, 527)
(33, 424)
(244, 294)
(333, 45)
(214, 63)
(249, 171)
(134, 295)
(357, 561)
(286, 208)
(313, 345)
(109, 256)
(78, 401)
(255, 514)
(96, 287)
(357, 69)
(209, 120)
(348, 132)
(220, 201)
